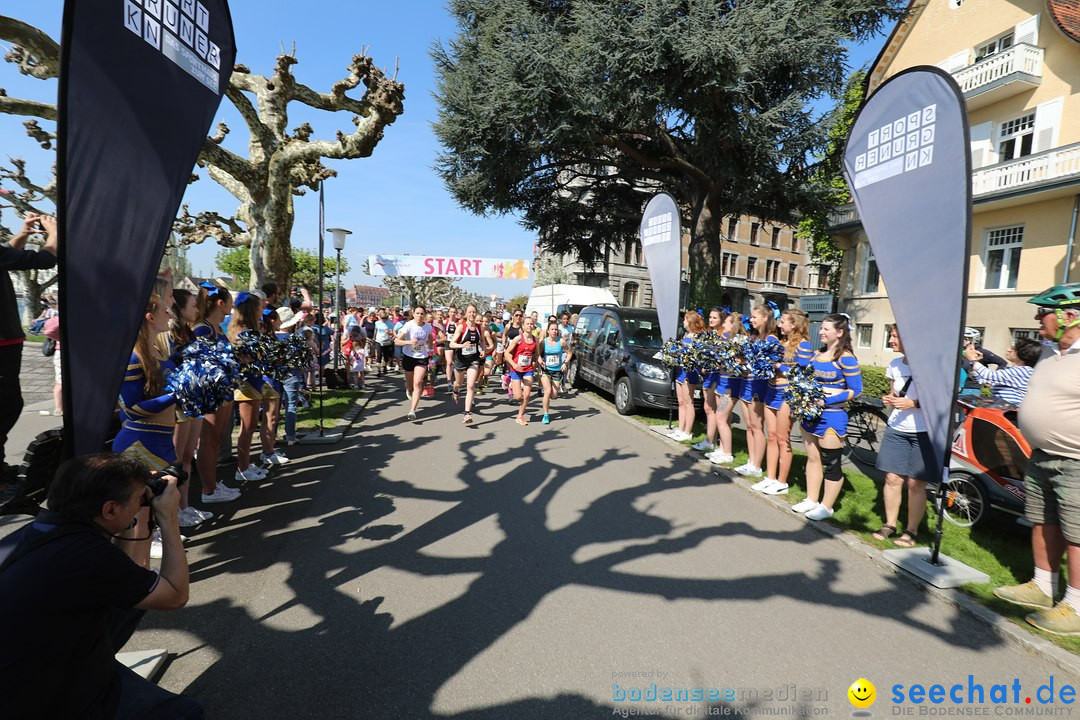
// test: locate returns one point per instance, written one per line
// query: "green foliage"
(237, 263)
(574, 114)
(875, 384)
(519, 300)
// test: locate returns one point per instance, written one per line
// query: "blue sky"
(393, 201)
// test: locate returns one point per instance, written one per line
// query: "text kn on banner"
(435, 266)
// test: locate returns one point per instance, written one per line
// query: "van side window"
(588, 329)
(611, 334)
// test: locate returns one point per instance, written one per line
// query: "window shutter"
(1027, 31)
(1047, 121)
(982, 146)
(959, 61)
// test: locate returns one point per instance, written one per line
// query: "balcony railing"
(1046, 168)
(1020, 58)
(1043, 168)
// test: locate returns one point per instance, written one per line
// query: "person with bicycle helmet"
(970, 384)
(1050, 421)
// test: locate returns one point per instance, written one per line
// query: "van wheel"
(624, 396)
(573, 377)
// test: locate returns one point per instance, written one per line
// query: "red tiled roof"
(1066, 14)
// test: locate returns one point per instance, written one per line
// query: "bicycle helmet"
(1059, 298)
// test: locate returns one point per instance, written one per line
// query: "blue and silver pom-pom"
(762, 357)
(206, 377)
(673, 353)
(705, 352)
(804, 393)
(299, 355)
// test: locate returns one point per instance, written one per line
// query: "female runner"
(471, 341)
(521, 357)
(417, 342)
(553, 357)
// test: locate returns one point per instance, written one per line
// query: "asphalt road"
(492, 571)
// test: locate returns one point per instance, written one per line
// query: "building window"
(1016, 138)
(754, 227)
(823, 277)
(637, 253)
(885, 342)
(732, 227)
(871, 276)
(864, 334)
(750, 266)
(728, 263)
(772, 271)
(791, 275)
(776, 238)
(1003, 257)
(794, 242)
(994, 47)
(630, 294)
(1027, 333)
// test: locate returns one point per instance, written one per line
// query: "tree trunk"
(33, 291)
(271, 246)
(705, 278)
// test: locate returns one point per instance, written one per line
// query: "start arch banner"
(439, 266)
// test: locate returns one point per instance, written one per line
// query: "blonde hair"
(145, 344)
(799, 333)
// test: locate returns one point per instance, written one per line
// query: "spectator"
(1050, 421)
(74, 597)
(52, 331)
(356, 358)
(1009, 383)
(48, 311)
(292, 384)
(15, 256)
(273, 295)
(973, 339)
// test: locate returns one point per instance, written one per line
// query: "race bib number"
(419, 346)
(498, 348)
(553, 361)
(468, 349)
(525, 362)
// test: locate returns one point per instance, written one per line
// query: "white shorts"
(56, 367)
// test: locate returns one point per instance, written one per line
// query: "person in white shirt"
(906, 452)
(416, 340)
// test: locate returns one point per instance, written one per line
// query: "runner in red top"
(521, 355)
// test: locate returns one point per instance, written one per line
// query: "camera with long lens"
(157, 482)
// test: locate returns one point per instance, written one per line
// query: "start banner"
(435, 266)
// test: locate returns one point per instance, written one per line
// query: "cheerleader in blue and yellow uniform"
(795, 328)
(728, 390)
(271, 393)
(212, 305)
(763, 328)
(246, 319)
(147, 411)
(686, 380)
(708, 389)
(837, 370)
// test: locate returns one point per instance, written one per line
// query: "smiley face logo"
(862, 693)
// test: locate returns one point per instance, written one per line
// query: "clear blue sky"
(394, 201)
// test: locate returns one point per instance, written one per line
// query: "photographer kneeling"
(72, 593)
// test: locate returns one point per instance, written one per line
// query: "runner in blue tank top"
(553, 356)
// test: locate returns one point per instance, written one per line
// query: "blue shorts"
(723, 384)
(774, 396)
(832, 419)
(710, 380)
(691, 378)
(515, 375)
(735, 385)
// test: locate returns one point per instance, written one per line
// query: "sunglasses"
(1043, 312)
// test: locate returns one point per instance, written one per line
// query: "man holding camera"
(15, 256)
(74, 584)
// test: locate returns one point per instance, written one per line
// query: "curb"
(998, 624)
(336, 433)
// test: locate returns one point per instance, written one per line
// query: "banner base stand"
(316, 439)
(144, 663)
(949, 574)
(662, 430)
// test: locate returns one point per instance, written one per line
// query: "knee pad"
(830, 464)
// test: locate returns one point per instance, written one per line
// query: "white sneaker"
(749, 470)
(704, 446)
(290, 441)
(680, 436)
(205, 514)
(762, 484)
(275, 459)
(221, 494)
(719, 457)
(262, 472)
(819, 513)
(804, 506)
(777, 488)
(189, 517)
(742, 468)
(249, 474)
(157, 549)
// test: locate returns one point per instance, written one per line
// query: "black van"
(615, 349)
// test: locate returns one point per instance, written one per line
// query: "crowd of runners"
(464, 350)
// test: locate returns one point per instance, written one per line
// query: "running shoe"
(467, 419)
(704, 446)
(804, 506)
(546, 420)
(454, 390)
(408, 394)
(411, 416)
(275, 458)
(248, 474)
(762, 484)
(719, 457)
(221, 494)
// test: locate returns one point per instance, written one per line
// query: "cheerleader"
(838, 371)
(245, 321)
(271, 393)
(795, 327)
(186, 433)
(763, 324)
(708, 387)
(687, 381)
(212, 305)
(727, 390)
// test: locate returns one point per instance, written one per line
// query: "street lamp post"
(339, 245)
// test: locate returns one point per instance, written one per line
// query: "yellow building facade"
(1018, 64)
